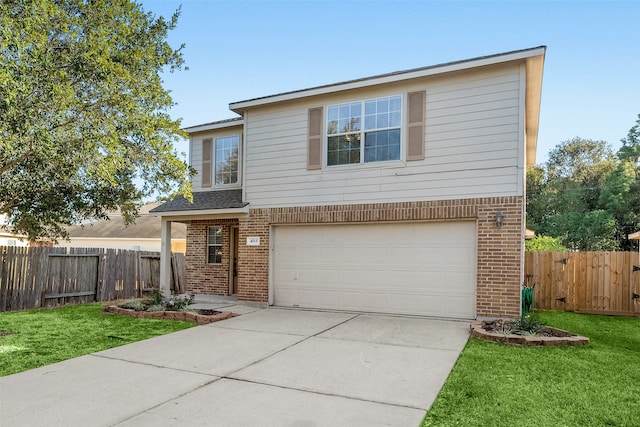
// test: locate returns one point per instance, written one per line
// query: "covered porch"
(212, 220)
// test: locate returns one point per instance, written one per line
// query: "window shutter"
(415, 137)
(207, 151)
(314, 145)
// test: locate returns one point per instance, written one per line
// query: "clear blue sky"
(237, 50)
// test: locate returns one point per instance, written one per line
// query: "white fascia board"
(215, 125)
(239, 106)
(229, 213)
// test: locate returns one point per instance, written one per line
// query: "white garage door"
(406, 268)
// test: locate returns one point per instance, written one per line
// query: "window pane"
(214, 255)
(383, 105)
(380, 146)
(215, 235)
(332, 127)
(226, 162)
(395, 103)
(383, 121)
(356, 109)
(395, 119)
(343, 149)
(332, 158)
(370, 107)
(333, 113)
(369, 122)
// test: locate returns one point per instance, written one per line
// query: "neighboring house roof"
(204, 201)
(145, 227)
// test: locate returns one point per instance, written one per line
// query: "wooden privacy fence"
(588, 282)
(46, 277)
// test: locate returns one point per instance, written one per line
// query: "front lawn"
(594, 385)
(41, 337)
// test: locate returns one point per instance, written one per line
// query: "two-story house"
(398, 193)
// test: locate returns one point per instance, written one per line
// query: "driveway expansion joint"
(325, 393)
(135, 362)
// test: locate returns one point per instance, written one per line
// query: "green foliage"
(591, 231)
(47, 336)
(630, 150)
(179, 302)
(544, 243)
(528, 324)
(83, 112)
(156, 307)
(134, 304)
(586, 196)
(156, 297)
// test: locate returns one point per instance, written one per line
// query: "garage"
(418, 268)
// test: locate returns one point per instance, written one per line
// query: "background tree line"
(586, 195)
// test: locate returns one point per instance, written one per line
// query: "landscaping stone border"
(188, 316)
(567, 338)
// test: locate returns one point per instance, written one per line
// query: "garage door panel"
(407, 268)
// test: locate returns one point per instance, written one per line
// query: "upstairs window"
(364, 131)
(226, 170)
(220, 159)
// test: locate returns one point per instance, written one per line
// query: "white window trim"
(363, 164)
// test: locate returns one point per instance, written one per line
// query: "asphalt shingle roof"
(204, 200)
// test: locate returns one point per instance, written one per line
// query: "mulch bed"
(201, 317)
(492, 330)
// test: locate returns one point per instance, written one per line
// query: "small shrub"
(156, 307)
(156, 297)
(134, 304)
(179, 302)
(544, 243)
(527, 325)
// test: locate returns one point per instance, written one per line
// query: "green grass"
(594, 385)
(48, 336)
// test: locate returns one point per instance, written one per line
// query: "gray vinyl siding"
(474, 147)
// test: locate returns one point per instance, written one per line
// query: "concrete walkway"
(267, 367)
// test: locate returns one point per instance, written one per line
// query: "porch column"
(165, 258)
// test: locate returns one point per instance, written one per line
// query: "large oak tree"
(84, 123)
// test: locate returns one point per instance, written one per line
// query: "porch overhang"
(190, 215)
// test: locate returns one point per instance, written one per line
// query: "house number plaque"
(253, 241)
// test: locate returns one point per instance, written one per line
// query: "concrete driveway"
(271, 367)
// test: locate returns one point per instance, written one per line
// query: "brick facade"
(499, 249)
(202, 277)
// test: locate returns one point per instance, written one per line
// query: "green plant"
(528, 324)
(544, 243)
(156, 297)
(156, 307)
(179, 302)
(134, 304)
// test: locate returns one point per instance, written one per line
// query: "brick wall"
(499, 249)
(202, 277)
